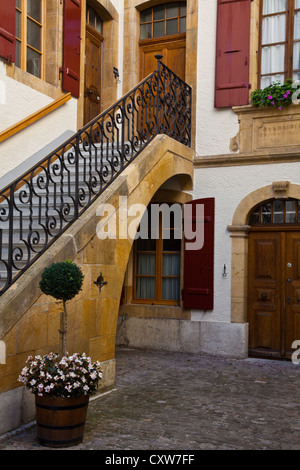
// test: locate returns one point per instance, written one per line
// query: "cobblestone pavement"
(174, 401)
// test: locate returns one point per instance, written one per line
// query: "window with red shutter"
(198, 285)
(232, 53)
(7, 30)
(71, 48)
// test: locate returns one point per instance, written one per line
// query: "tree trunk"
(63, 331)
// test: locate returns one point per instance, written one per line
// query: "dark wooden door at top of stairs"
(93, 65)
(274, 293)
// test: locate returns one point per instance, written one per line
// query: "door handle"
(263, 296)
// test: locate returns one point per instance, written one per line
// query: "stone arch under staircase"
(29, 321)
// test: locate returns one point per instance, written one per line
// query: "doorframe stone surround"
(239, 232)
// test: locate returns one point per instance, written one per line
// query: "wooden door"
(264, 293)
(173, 52)
(292, 291)
(93, 66)
(273, 293)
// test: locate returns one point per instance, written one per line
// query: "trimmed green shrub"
(62, 280)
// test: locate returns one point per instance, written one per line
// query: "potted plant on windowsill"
(277, 95)
(62, 383)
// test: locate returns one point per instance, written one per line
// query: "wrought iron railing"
(42, 203)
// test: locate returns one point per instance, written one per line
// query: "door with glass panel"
(279, 41)
(274, 279)
(162, 31)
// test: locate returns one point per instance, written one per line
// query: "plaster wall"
(215, 127)
(229, 186)
(17, 102)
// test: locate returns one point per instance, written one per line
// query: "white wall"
(229, 185)
(119, 6)
(18, 101)
(215, 127)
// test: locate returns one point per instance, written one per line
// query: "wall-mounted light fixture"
(100, 282)
(116, 74)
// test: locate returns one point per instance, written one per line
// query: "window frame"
(288, 42)
(93, 28)
(23, 39)
(152, 22)
(258, 209)
(159, 252)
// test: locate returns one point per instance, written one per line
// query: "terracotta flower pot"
(60, 421)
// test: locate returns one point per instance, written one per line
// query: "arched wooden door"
(274, 279)
(163, 29)
(93, 65)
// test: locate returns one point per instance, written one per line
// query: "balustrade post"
(76, 208)
(159, 65)
(10, 234)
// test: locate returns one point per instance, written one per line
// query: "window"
(278, 211)
(29, 36)
(163, 20)
(279, 41)
(93, 19)
(157, 264)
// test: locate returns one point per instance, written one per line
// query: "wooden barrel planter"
(60, 421)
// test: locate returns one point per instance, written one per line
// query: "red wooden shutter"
(232, 54)
(71, 50)
(8, 30)
(198, 286)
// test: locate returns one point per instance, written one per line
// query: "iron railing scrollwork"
(42, 203)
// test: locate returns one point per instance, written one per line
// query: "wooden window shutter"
(71, 47)
(198, 285)
(8, 30)
(232, 53)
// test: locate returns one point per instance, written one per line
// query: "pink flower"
(280, 108)
(270, 97)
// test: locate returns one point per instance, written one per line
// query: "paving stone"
(174, 401)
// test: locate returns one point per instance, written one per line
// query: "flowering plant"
(277, 95)
(56, 376)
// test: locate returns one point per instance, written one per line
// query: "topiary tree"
(62, 280)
